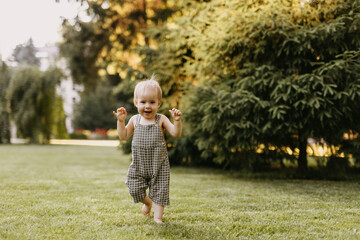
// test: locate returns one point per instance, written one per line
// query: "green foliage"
(107, 42)
(272, 73)
(105, 47)
(126, 145)
(82, 48)
(183, 151)
(337, 168)
(95, 109)
(4, 104)
(78, 135)
(352, 147)
(59, 130)
(247, 74)
(167, 61)
(32, 98)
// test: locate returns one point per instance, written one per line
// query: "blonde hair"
(147, 83)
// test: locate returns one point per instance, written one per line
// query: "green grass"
(78, 192)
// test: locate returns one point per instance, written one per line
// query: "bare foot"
(146, 210)
(158, 213)
(158, 221)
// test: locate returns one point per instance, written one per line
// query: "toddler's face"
(148, 103)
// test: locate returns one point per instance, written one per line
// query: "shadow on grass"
(313, 173)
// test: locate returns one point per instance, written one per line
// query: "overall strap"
(138, 119)
(157, 119)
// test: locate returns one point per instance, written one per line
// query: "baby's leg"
(158, 213)
(147, 206)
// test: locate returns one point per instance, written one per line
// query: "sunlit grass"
(81, 142)
(78, 192)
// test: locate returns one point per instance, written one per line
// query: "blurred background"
(262, 84)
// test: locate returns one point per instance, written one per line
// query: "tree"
(26, 54)
(32, 96)
(4, 104)
(94, 110)
(270, 74)
(107, 43)
(59, 130)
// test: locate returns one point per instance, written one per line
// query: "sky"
(40, 20)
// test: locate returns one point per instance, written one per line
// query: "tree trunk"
(302, 160)
(4, 128)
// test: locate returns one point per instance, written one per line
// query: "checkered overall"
(150, 164)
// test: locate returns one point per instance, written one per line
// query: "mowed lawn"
(78, 192)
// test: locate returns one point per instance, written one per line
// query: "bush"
(183, 151)
(125, 146)
(94, 111)
(78, 135)
(337, 168)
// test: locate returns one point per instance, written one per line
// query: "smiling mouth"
(147, 111)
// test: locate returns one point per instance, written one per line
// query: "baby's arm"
(176, 128)
(124, 132)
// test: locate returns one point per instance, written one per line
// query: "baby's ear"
(135, 102)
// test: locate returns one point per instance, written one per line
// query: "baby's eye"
(152, 102)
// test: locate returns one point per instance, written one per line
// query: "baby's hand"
(176, 114)
(120, 114)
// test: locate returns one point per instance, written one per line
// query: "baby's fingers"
(175, 112)
(121, 110)
(172, 111)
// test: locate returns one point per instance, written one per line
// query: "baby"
(150, 167)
